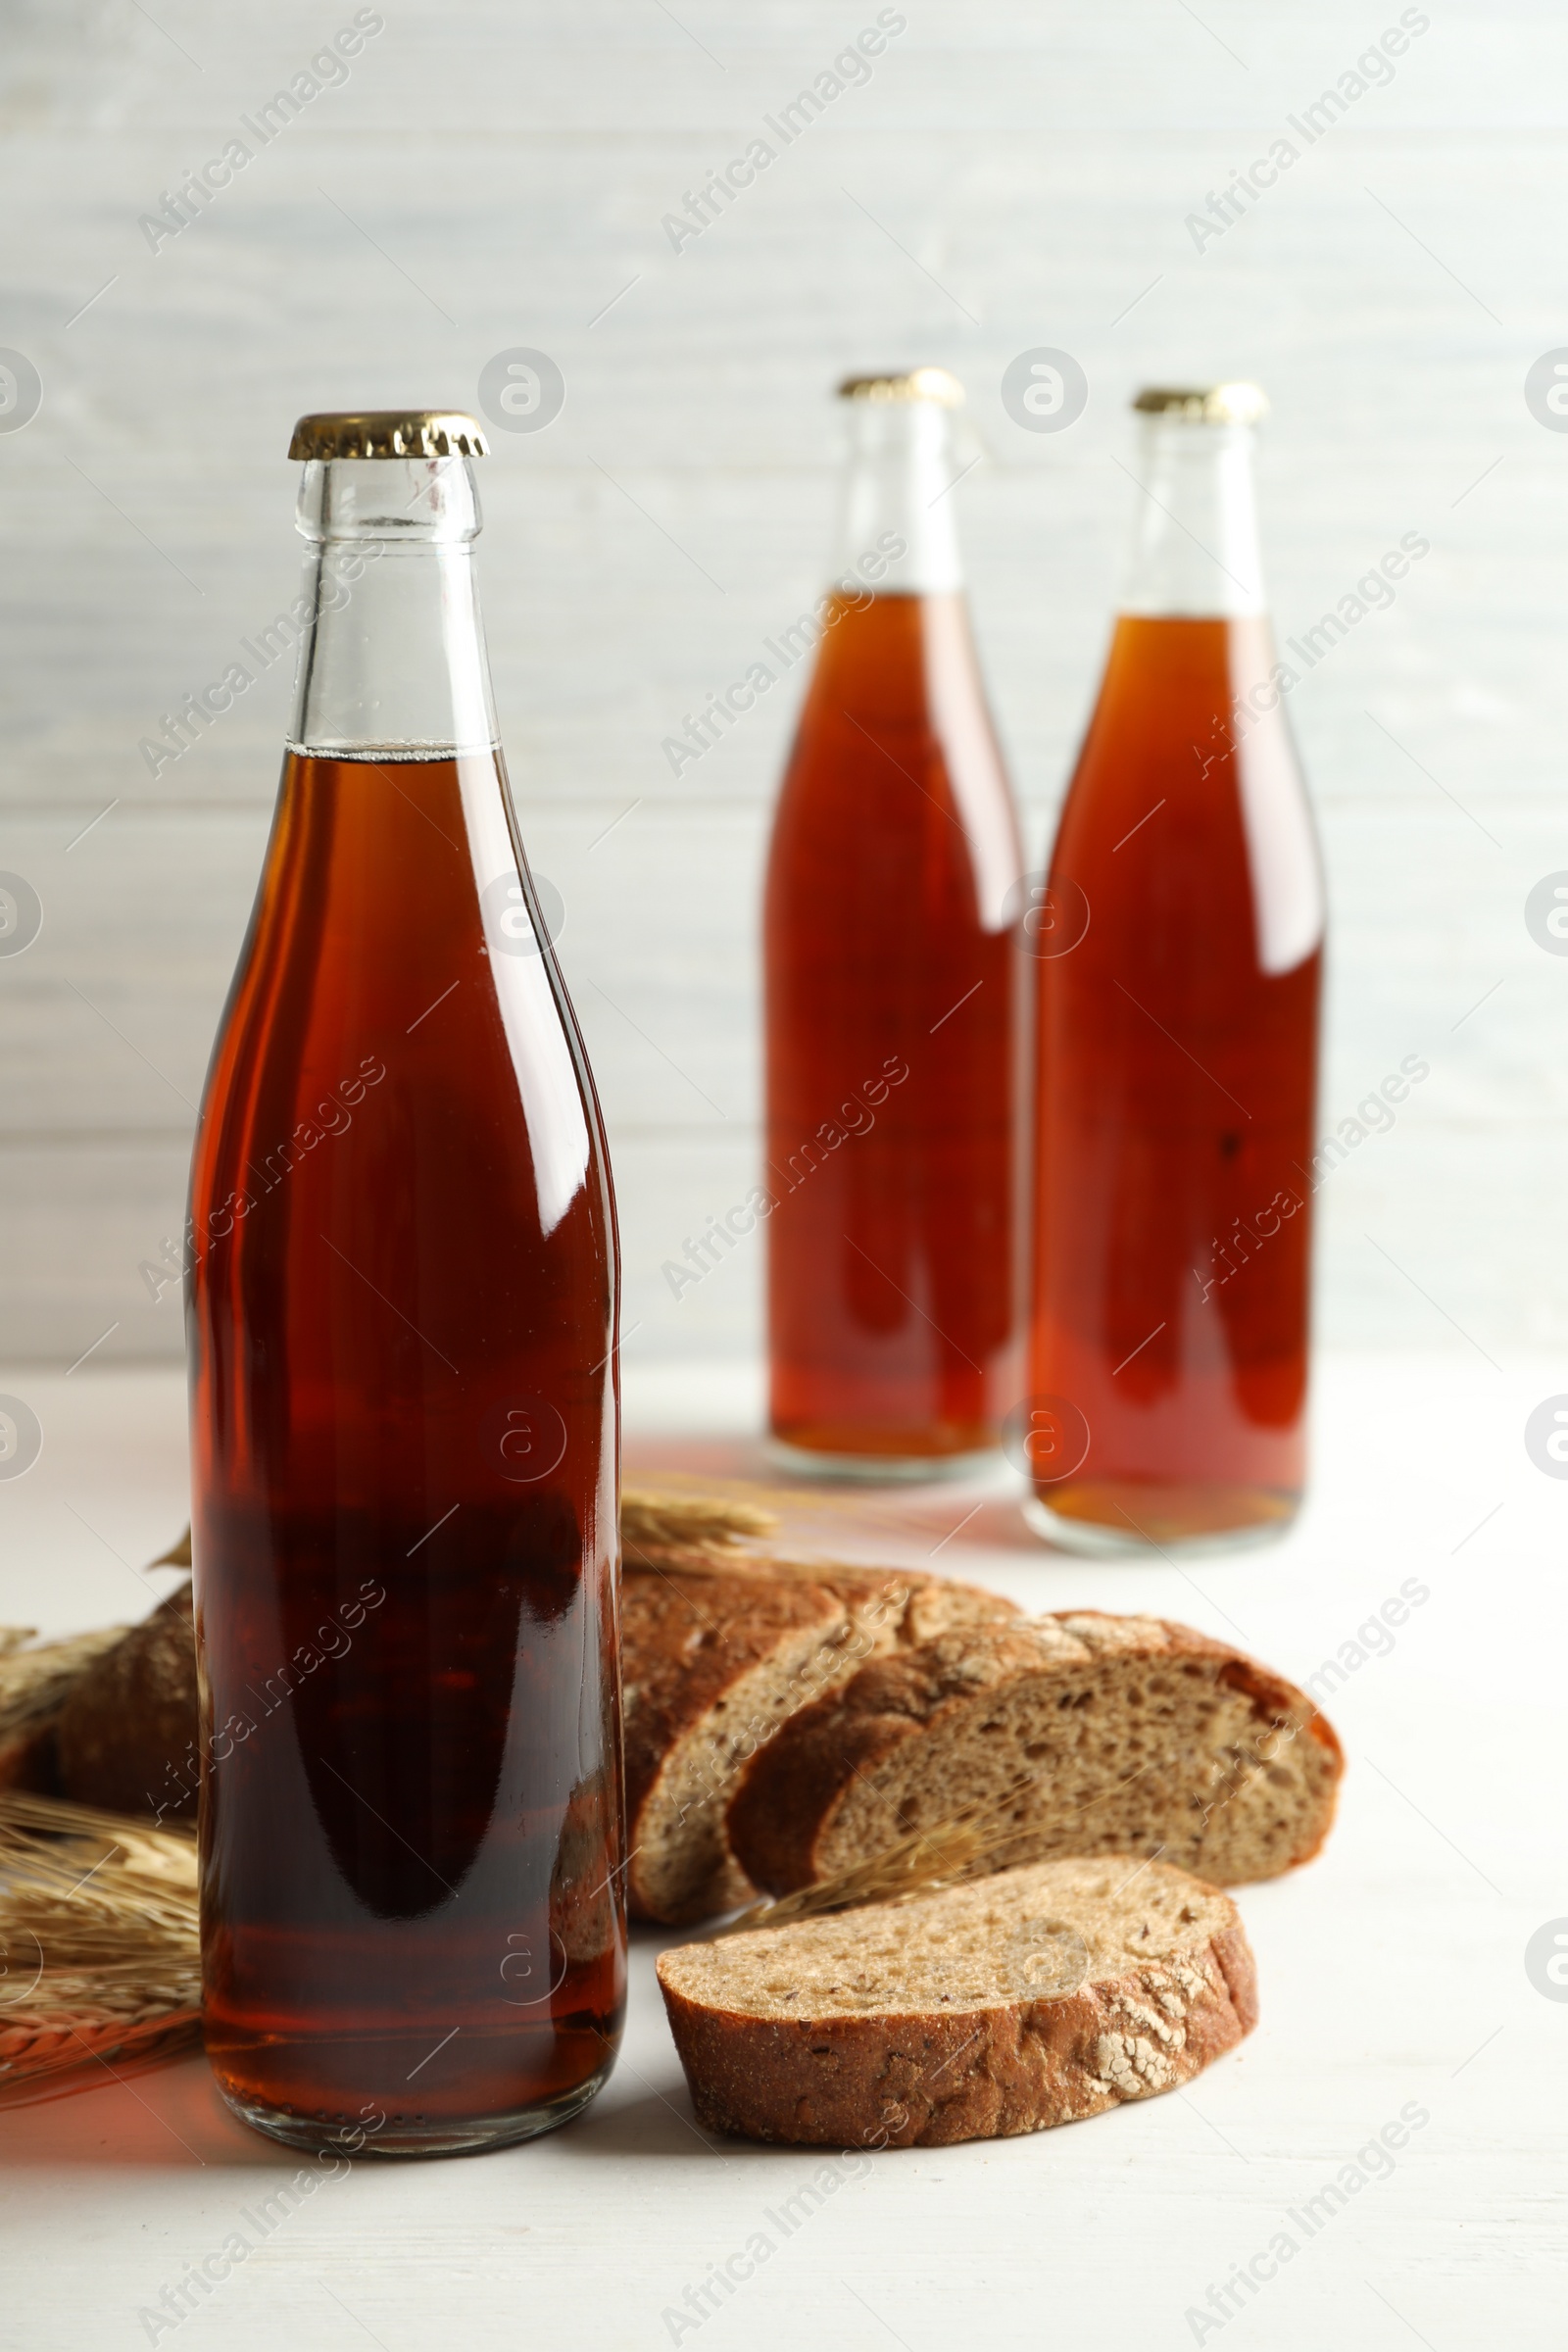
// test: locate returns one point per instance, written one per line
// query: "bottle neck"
(1195, 552)
(897, 528)
(392, 657)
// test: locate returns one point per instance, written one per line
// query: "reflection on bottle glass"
(1177, 1044)
(401, 1319)
(892, 993)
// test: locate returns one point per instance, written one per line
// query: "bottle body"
(892, 1010)
(1177, 1030)
(401, 1321)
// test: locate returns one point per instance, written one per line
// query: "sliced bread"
(1039, 1997)
(1085, 1733)
(712, 1663)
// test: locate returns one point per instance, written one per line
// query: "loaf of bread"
(719, 1642)
(36, 1678)
(1038, 1997)
(713, 1661)
(1087, 1733)
(125, 1738)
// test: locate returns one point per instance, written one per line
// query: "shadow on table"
(172, 2117)
(649, 2122)
(155, 2115)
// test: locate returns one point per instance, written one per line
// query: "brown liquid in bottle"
(892, 1048)
(401, 1317)
(1176, 1085)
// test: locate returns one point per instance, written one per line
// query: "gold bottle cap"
(1209, 403)
(915, 384)
(389, 433)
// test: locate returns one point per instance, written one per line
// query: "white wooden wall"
(492, 173)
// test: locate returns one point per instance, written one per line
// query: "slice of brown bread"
(712, 1663)
(1133, 1736)
(1039, 1997)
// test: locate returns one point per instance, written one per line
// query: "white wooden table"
(1392, 1976)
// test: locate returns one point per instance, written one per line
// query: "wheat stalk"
(98, 1940)
(687, 1529)
(704, 1535)
(971, 1844)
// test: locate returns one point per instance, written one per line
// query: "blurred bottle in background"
(1179, 948)
(892, 991)
(402, 1317)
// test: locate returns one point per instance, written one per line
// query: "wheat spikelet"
(971, 1844)
(98, 1940)
(687, 1529)
(708, 1535)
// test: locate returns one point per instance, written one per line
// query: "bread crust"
(126, 1735)
(35, 1681)
(685, 1640)
(689, 1643)
(792, 1792)
(715, 1657)
(931, 2078)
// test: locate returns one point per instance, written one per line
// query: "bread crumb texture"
(1093, 1733)
(711, 1665)
(1043, 1995)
